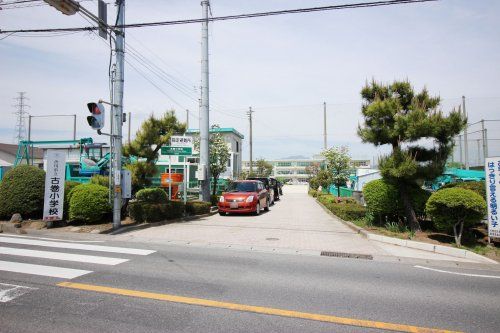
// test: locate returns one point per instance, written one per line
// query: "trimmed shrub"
(141, 211)
(152, 195)
(478, 187)
(89, 203)
(68, 187)
(313, 193)
(100, 180)
(383, 200)
(455, 209)
(347, 211)
(21, 191)
(197, 207)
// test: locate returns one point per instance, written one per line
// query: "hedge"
(478, 187)
(198, 207)
(141, 211)
(89, 203)
(152, 195)
(21, 191)
(347, 211)
(214, 199)
(313, 193)
(100, 180)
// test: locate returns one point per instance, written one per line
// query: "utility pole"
(187, 119)
(325, 145)
(117, 114)
(74, 127)
(478, 152)
(129, 119)
(249, 113)
(21, 114)
(466, 144)
(204, 112)
(460, 147)
(485, 144)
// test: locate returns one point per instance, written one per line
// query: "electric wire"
(237, 17)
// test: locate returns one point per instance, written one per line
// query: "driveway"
(296, 223)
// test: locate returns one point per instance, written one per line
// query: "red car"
(244, 196)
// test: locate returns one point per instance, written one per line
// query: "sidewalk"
(297, 224)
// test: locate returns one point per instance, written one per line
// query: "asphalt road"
(174, 289)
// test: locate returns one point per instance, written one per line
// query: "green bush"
(455, 209)
(89, 203)
(141, 211)
(100, 180)
(383, 200)
(197, 207)
(21, 191)
(478, 187)
(152, 195)
(313, 193)
(68, 187)
(347, 211)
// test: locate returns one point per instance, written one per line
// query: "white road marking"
(87, 247)
(61, 256)
(457, 273)
(8, 292)
(52, 271)
(53, 239)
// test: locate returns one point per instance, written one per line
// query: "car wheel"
(257, 209)
(267, 206)
(222, 213)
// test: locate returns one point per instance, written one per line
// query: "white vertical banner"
(54, 185)
(492, 169)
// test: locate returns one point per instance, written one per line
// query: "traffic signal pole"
(117, 112)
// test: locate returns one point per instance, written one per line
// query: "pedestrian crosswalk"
(58, 253)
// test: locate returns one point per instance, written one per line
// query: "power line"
(237, 17)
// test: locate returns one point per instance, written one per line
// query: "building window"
(237, 147)
(284, 164)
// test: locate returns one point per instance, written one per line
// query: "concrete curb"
(147, 225)
(441, 249)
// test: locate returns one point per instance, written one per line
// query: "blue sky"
(285, 67)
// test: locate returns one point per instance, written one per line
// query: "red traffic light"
(96, 120)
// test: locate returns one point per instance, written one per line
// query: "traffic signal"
(96, 120)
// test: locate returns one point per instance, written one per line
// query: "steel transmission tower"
(21, 115)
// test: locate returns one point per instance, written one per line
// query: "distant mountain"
(296, 157)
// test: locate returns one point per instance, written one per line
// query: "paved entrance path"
(296, 222)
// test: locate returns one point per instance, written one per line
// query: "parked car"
(267, 185)
(274, 184)
(244, 196)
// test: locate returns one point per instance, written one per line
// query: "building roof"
(218, 130)
(11, 149)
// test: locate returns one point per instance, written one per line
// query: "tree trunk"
(408, 207)
(338, 190)
(214, 190)
(458, 229)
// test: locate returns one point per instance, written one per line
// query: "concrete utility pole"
(466, 144)
(485, 143)
(117, 114)
(460, 147)
(74, 127)
(204, 112)
(325, 144)
(249, 113)
(129, 125)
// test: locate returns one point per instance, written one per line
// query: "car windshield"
(242, 187)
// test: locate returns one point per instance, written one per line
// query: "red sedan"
(244, 196)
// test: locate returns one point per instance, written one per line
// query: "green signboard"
(179, 151)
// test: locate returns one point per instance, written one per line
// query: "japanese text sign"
(492, 169)
(54, 185)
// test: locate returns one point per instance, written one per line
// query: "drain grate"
(346, 255)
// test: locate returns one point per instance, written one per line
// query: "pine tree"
(420, 135)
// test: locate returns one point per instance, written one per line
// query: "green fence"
(344, 191)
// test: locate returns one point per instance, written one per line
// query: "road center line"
(457, 273)
(253, 309)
